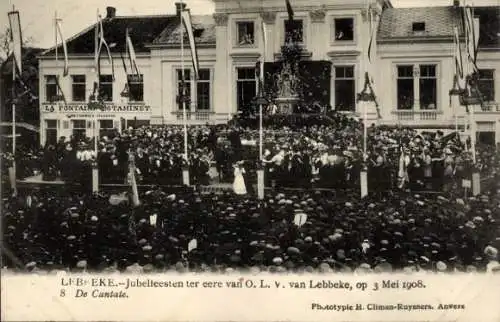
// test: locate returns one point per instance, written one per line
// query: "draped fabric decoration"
(16, 38)
(187, 22)
(459, 63)
(102, 44)
(65, 48)
(289, 9)
(130, 51)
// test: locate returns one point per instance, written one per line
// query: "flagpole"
(183, 102)
(95, 168)
(14, 185)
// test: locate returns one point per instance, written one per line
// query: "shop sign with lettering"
(84, 107)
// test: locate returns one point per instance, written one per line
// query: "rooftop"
(142, 29)
(398, 23)
(204, 32)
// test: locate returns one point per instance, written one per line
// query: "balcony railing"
(194, 116)
(489, 107)
(422, 115)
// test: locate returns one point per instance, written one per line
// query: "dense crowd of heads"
(50, 230)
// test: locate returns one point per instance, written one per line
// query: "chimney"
(179, 6)
(456, 3)
(110, 12)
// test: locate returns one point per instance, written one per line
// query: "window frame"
(192, 91)
(132, 81)
(47, 79)
(251, 71)
(204, 82)
(303, 21)
(333, 36)
(423, 78)
(416, 78)
(81, 83)
(107, 83)
(352, 79)
(489, 80)
(411, 66)
(237, 33)
(79, 129)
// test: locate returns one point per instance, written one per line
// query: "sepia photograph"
(318, 138)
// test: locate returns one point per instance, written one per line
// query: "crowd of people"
(395, 227)
(183, 230)
(298, 152)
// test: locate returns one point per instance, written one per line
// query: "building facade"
(411, 68)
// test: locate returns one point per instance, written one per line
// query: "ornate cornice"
(268, 17)
(318, 15)
(220, 19)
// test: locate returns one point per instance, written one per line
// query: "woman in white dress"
(239, 187)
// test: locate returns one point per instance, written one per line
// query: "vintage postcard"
(256, 160)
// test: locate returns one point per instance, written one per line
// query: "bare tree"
(5, 43)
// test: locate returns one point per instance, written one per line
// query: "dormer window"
(418, 26)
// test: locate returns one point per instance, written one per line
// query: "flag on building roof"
(16, 38)
(130, 51)
(65, 48)
(186, 20)
(289, 9)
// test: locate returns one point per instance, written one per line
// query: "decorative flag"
(125, 92)
(370, 54)
(459, 65)
(102, 43)
(289, 9)
(264, 45)
(65, 48)
(186, 20)
(16, 38)
(471, 29)
(60, 93)
(131, 54)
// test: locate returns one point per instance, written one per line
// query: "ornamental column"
(319, 38)
(222, 104)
